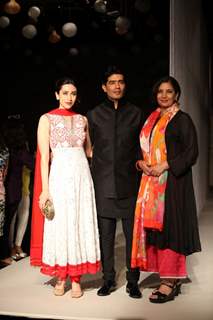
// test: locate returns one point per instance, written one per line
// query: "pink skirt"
(166, 262)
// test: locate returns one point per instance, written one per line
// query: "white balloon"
(4, 22)
(73, 51)
(122, 25)
(100, 6)
(29, 31)
(122, 22)
(34, 12)
(69, 29)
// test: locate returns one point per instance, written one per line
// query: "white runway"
(25, 292)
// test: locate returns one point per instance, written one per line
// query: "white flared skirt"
(71, 239)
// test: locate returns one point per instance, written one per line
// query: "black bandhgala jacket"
(114, 135)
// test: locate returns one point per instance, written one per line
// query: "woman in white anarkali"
(70, 242)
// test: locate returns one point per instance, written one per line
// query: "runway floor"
(26, 293)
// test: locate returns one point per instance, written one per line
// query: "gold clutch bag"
(48, 210)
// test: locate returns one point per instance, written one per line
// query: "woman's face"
(66, 96)
(166, 95)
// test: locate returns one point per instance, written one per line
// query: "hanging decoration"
(100, 6)
(69, 29)
(54, 37)
(29, 31)
(122, 25)
(34, 12)
(73, 51)
(4, 22)
(12, 7)
(68, 16)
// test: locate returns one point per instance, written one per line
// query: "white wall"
(189, 64)
(211, 153)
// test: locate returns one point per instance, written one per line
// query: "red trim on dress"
(70, 270)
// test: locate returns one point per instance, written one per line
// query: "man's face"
(114, 87)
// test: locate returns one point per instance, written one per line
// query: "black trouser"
(107, 230)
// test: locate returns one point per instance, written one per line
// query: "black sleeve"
(188, 153)
(142, 121)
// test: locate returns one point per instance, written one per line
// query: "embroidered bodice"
(67, 131)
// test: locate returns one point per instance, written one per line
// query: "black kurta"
(180, 231)
(115, 138)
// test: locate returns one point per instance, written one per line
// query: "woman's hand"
(142, 166)
(44, 196)
(158, 169)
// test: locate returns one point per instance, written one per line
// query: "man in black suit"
(114, 126)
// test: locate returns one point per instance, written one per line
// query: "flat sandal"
(76, 293)
(59, 290)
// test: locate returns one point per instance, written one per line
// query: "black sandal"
(162, 297)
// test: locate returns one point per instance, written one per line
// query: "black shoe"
(161, 297)
(133, 290)
(107, 288)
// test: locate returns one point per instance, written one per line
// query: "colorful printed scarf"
(149, 210)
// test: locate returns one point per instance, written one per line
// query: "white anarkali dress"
(71, 239)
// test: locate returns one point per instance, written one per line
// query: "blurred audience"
(4, 157)
(17, 194)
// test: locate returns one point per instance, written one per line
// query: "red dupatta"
(37, 223)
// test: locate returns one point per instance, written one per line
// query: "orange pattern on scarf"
(149, 210)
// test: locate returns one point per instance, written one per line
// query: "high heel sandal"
(162, 297)
(17, 253)
(20, 252)
(14, 254)
(59, 289)
(76, 294)
(178, 285)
